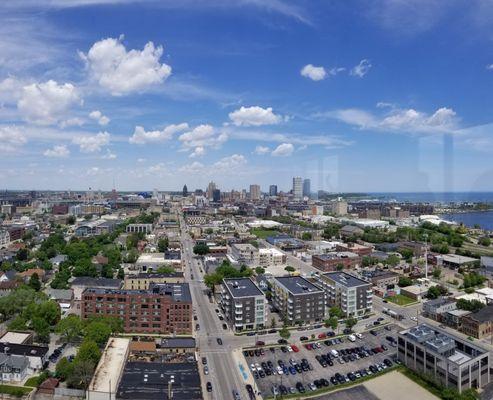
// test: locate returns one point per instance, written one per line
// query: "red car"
(308, 346)
(295, 348)
(260, 343)
(322, 336)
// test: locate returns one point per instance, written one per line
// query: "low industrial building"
(435, 309)
(149, 262)
(335, 260)
(478, 324)
(139, 228)
(454, 362)
(142, 281)
(352, 247)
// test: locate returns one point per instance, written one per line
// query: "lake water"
(484, 219)
(436, 197)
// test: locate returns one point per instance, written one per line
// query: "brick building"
(163, 309)
(330, 261)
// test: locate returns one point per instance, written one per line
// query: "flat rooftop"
(15, 337)
(178, 342)
(336, 255)
(345, 279)
(149, 381)
(154, 275)
(178, 291)
(297, 285)
(110, 365)
(242, 287)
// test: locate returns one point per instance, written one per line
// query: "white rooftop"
(14, 337)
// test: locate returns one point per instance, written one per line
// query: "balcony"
(238, 305)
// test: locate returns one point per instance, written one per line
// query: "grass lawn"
(264, 233)
(17, 391)
(400, 300)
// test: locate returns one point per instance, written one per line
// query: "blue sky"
(387, 95)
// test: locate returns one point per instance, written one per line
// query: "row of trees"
(94, 333)
(226, 270)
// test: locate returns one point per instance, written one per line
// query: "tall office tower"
(254, 192)
(216, 195)
(297, 188)
(273, 190)
(185, 191)
(306, 188)
(210, 190)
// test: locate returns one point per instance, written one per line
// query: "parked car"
(209, 387)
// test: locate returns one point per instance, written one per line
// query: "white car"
(359, 335)
(414, 319)
(279, 370)
(289, 348)
(253, 367)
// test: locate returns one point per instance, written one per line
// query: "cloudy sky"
(383, 95)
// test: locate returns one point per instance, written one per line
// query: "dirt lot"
(317, 371)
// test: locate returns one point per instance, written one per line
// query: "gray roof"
(336, 255)
(149, 381)
(61, 294)
(96, 282)
(345, 279)
(155, 275)
(297, 285)
(14, 361)
(23, 349)
(177, 342)
(242, 287)
(178, 291)
(483, 315)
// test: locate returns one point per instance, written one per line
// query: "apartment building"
(332, 261)
(163, 309)
(148, 262)
(245, 253)
(270, 257)
(351, 294)
(452, 361)
(298, 300)
(143, 281)
(4, 239)
(243, 304)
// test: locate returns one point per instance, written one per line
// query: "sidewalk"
(240, 361)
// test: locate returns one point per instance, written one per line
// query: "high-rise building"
(297, 188)
(254, 192)
(210, 189)
(185, 191)
(273, 190)
(306, 188)
(216, 195)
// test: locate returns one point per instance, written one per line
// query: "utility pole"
(426, 256)
(170, 387)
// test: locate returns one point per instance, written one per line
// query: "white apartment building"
(4, 239)
(245, 253)
(271, 257)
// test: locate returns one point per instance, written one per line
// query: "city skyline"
(143, 94)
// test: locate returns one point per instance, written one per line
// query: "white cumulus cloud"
(254, 116)
(11, 139)
(45, 103)
(231, 162)
(203, 136)
(98, 116)
(141, 136)
(314, 73)
(198, 152)
(92, 144)
(58, 151)
(123, 72)
(283, 150)
(261, 150)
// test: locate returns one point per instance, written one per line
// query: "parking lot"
(329, 362)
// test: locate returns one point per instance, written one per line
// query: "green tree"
(71, 220)
(165, 269)
(211, 280)
(306, 236)
(332, 322)
(81, 374)
(98, 332)
(88, 351)
(284, 333)
(22, 254)
(201, 249)
(42, 329)
(289, 268)
(407, 254)
(393, 260)
(121, 273)
(340, 267)
(64, 368)
(350, 322)
(69, 328)
(162, 245)
(34, 282)
(259, 270)
(273, 322)
(470, 305)
(405, 281)
(335, 312)
(436, 291)
(18, 324)
(437, 272)
(132, 241)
